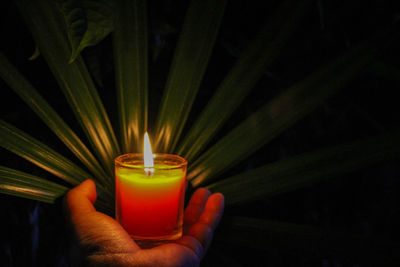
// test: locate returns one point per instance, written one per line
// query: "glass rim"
(180, 161)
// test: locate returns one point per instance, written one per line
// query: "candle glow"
(150, 192)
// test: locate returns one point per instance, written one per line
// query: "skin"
(103, 242)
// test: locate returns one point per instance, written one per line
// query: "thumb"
(79, 200)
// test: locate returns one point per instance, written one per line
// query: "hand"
(103, 241)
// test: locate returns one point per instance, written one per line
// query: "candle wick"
(149, 171)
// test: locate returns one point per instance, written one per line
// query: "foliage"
(63, 29)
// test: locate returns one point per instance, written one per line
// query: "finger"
(204, 228)
(195, 206)
(193, 244)
(79, 200)
(213, 211)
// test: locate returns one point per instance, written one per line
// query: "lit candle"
(150, 190)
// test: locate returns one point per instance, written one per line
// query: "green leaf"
(21, 184)
(188, 66)
(49, 116)
(311, 241)
(279, 114)
(307, 169)
(243, 76)
(75, 21)
(46, 158)
(87, 22)
(46, 24)
(130, 54)
(99, 16)
(39, 154)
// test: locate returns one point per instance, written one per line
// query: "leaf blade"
(188, 66)
(39, 154)
(99, 17)
(17, 183)
(307, 169)
(87, 22)
(278, 114)
(130, 54)
(44, 22)
(76, 23)
(240, 80)
(49, 116)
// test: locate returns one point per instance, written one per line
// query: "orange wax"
(150, 205)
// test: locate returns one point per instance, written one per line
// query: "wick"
(149, 171)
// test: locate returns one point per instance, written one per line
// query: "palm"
(104, 241)
(208, 144)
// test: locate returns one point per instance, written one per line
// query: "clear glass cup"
(149, 201)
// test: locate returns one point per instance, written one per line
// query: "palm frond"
(39, 105)
(243, 76)
(46, 24)
(130, 54)
(279, 114)
(190, 60)
(307, 169)
(60, 44)
(25, 185)
(39, 154)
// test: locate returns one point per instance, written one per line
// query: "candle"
(150, 190)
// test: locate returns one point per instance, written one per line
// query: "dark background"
(363, 202)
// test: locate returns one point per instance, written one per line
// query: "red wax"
(150, 205)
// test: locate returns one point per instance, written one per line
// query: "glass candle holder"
(149, 201)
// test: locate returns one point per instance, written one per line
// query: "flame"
(148, 155)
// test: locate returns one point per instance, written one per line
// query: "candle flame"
(148, 155)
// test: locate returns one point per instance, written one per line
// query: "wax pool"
(150, 205)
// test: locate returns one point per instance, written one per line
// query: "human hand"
(103, 241)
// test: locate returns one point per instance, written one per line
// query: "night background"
(361, 203)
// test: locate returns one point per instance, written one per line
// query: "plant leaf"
(99, 17)
(307, 169)
(39, 154)
(279, 114)
(188, 66)
(44, 21)
(311, 241)
(130, 54)
(241, 78)
(49, 116)
(75, 21)
(87, 22)
(21, 184)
